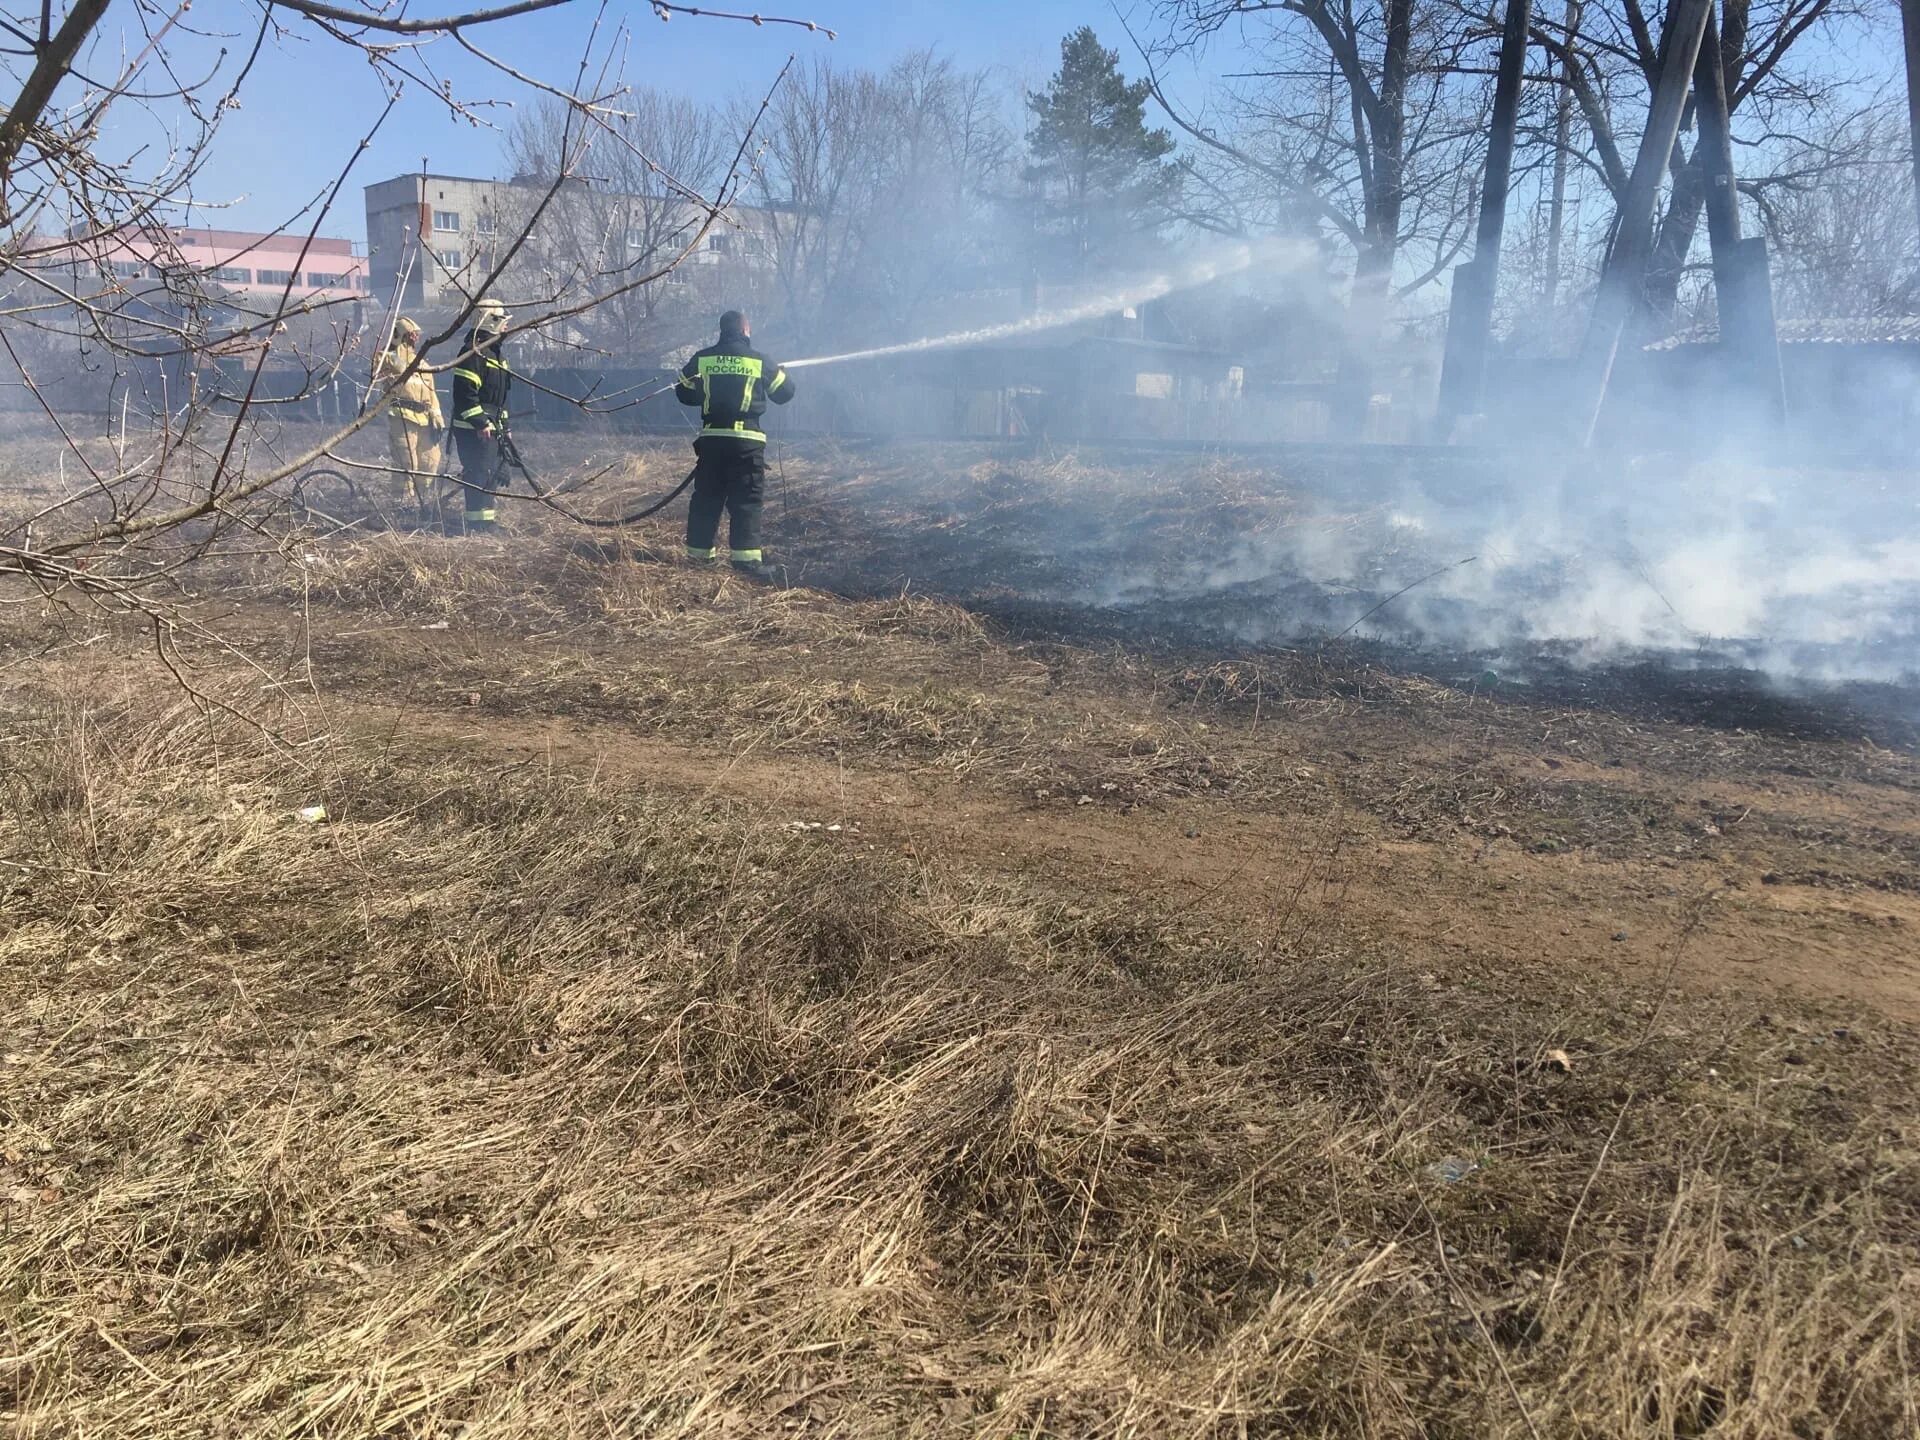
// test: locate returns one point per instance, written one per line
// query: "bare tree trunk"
(1562, 137)
(1470, 325)
(1366, 322)
(1373, 269)
(1715, 81)
(1742, 278)
(1715, 150)
(1668, 261)
(1625, 274)
(55, 55)
(1714, 155)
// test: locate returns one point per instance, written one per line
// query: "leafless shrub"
(198, 469)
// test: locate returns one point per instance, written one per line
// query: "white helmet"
(490, 317)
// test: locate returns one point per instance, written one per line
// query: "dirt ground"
(1684, 867)
(1628, 819)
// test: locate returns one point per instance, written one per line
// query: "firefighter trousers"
(480, 479)
(728, 475)
(416, 455)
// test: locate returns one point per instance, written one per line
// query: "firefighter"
(414, 423)
(731, 382)
(481, 380)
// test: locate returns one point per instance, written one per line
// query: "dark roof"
(1835, 330)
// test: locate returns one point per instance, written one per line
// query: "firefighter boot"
(752, 565)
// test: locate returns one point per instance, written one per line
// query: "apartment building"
(450, 234)
(440, 229)
(248, 263)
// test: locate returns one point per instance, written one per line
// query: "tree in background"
(1783, 76)
(637, 215)
(1837, 208)
(950, 162)
(1101, 179)
(878, 190)
(1356, 125)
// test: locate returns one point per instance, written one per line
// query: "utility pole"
(1626, 269)
(1470, 323)
(424, 235)
(1910, 31)
(1742, 277)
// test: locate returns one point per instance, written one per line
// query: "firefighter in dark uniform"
(731, 382)
(481, 380)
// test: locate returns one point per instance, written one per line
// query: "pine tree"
(1100, 177)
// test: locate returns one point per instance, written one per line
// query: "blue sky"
(310, 98)
(308, 101)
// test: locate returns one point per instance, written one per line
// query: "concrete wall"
(393, 213)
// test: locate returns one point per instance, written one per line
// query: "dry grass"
(518, 1104)
(921, 682)
(422, 579)
(691, 651)
(527, 1104)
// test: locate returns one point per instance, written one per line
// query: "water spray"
(1230, 260)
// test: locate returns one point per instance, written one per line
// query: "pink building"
(262, 267)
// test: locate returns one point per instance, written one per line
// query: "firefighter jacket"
(731, 383)
(413, 401)
(480, 384)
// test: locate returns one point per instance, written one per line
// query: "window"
(753, 245)
(128, 269)
(446, 220)
(484, 225)
(636, 238)
(279, 277)
(233, 275)
(720, 244)
(361, 282)
(320, 279)
(675, 276)
(451, 259)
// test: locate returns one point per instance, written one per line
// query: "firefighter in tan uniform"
(414, 423)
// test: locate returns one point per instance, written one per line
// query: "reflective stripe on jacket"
(731, 385)
(414, 399)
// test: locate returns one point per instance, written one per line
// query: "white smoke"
(1805, 572)
(1810, 575)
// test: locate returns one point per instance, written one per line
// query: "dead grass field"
(715, 1011)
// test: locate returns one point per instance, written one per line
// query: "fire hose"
(511, 459)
